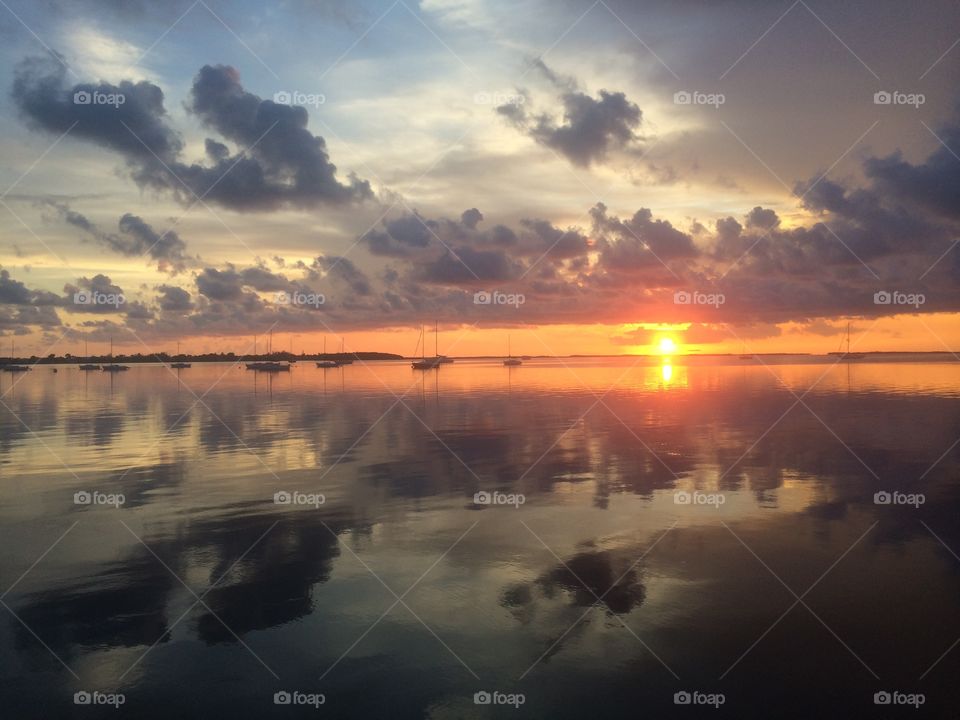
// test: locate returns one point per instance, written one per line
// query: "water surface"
(783, 585)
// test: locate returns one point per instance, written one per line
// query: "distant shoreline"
(366, 356)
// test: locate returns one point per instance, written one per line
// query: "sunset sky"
(394, 159)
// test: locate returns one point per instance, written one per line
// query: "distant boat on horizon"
(743, 355)
(849, 355)
(511, 361)
(179, 365)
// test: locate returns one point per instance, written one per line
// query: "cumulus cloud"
(589, 130)
(279, 161)
(135, 237)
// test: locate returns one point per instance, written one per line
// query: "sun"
(667, 346)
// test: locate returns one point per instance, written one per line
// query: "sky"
(581, 177)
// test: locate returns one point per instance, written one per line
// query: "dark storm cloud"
(590, 129)
(280, 162)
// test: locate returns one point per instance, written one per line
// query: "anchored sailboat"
(849, 355)
(179, 364)
(511, 360)
(112, 366)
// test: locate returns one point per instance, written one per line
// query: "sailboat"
(437, 357)
(86, 352)
(511, 360)
(113, 367)
(343, 359)
(272, 365)
(423, 363)
(743, 355)
(14, 368)
(849, 355)
(179, 364)
(326, 363)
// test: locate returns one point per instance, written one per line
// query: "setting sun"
(667, 346)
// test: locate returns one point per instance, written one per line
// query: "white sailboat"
(87, 365)
(424, 363)
(849, 355)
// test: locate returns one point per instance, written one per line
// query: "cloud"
(174, 299)
(136, 237)
(590, 129)
(279, 163)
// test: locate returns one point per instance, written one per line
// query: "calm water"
(601, 595)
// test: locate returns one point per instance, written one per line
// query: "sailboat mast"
(436, 341)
